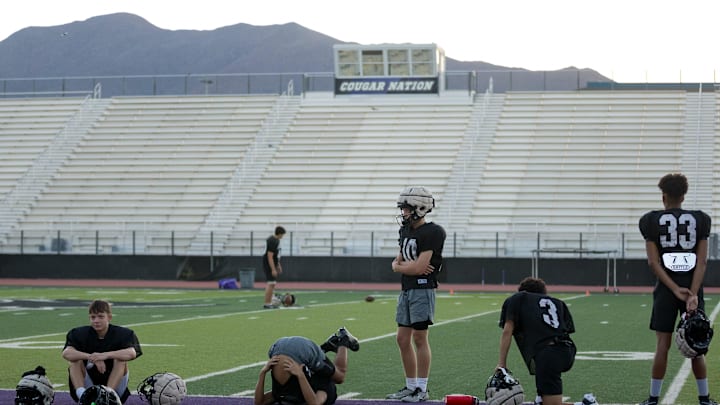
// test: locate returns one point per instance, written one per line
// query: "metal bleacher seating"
(511, 172)
(151, 165)
(342, 164)
(569, 163)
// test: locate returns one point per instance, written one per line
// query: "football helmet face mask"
(100, 395)
(418, 200)
(163, 389)
(693, 334)
(503, 389)
(34, 388)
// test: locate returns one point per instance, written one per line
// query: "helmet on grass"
(503, 389)
(100, 395)
(163, 389)
(34, 388)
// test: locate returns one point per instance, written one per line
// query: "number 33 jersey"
(676, 233)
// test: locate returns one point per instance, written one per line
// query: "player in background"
(271, 264)
(676, 242)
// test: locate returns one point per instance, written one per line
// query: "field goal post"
(611, 256)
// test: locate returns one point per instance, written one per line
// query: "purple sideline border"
(63, 398)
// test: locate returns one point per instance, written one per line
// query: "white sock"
(410, 383)
(702, 386)
(79, 392)
(655, 387)
(422, 383)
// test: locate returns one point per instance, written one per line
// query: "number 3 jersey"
(676, 233)
(539, 320)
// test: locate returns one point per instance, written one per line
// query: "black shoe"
(706, 401)
(348, 340)
(340, 338)
(650, 401)
(331, 344)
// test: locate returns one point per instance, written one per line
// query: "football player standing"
(418, 261)
(676, 242)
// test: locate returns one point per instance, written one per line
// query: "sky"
(625, 40)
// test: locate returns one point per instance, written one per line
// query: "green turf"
(216, 338)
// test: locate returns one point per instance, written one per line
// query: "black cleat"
(340, 338)
(345, 338)
(331, 344)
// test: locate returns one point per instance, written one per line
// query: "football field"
(217, 340)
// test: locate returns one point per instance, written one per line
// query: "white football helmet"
(163, 389)
(693, 334)
(34, 388)
(503, 389)
(286, 300)
(418, 199)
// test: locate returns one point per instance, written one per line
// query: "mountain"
(125, 44)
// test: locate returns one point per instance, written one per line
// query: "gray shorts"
(416, 307)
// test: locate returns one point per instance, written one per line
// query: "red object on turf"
(460, 399)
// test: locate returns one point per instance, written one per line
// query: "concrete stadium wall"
(566, 271)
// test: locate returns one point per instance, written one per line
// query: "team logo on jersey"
(679, 262)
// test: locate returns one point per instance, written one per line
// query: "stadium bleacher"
(162, 174)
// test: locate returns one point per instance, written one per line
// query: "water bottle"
(461, 399)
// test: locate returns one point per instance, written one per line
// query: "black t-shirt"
(428, 236)
(291, 393)
(271, 245)
(86, 340)
(676, 233)
(539, 319)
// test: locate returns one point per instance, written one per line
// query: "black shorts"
(268, 275)
(550, 363)
(667, 307)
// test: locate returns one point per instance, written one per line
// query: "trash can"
(247, 277)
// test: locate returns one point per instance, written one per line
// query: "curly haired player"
(676, 243)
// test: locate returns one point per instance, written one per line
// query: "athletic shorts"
(550, 363)
(123, 391)
(268, 276)
(667, 307)
(416, 308)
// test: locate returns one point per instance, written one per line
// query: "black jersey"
(539, 320)
(428, 236)
(86, 340)
(272, 244)
(676, 233)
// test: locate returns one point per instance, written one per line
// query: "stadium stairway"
(466, 176)
(699, 144)
(28, 189)
(219, 222)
